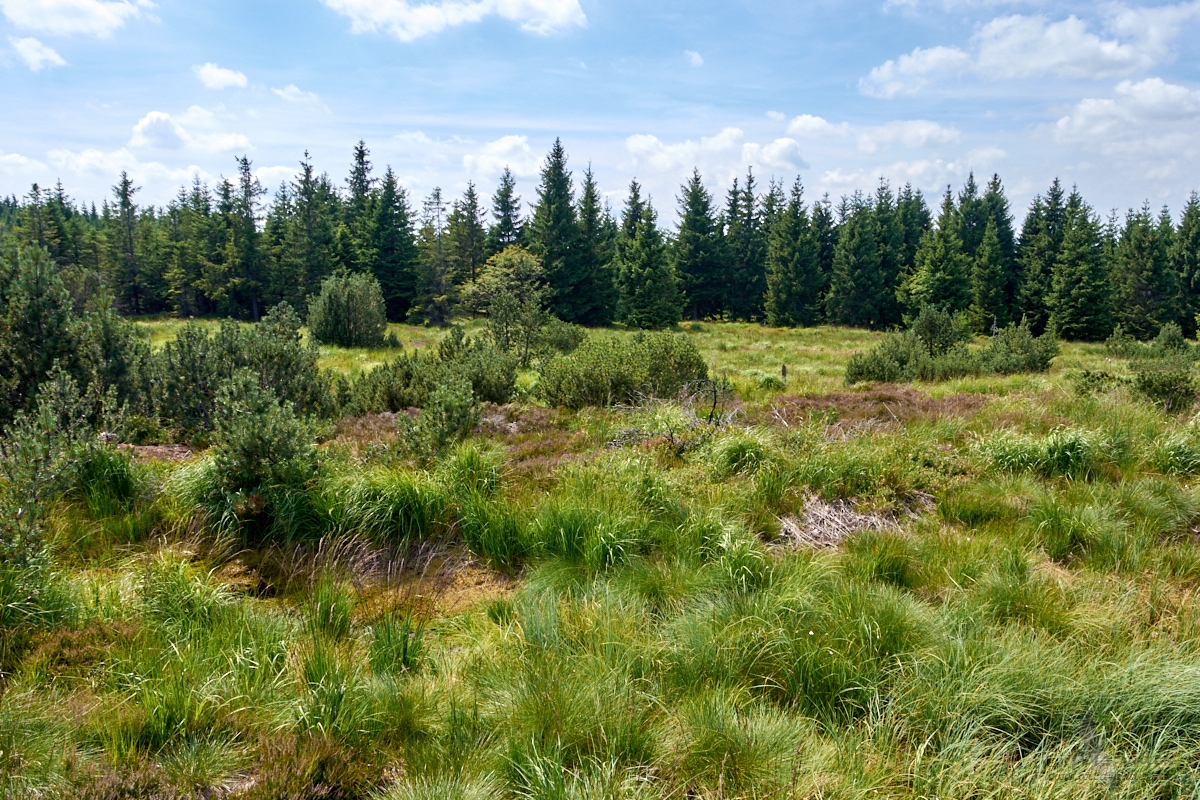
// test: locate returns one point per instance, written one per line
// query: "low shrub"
(409, 380)
(450, 415)
(1168, 383)
(1170, 343)
(613, 371)
(349, 311)
(931, 354)
(191, 369)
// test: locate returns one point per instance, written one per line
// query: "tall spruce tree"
(596, 253)
(999, 214)
(435, 295)
(745, 246)
(793, 278)
(942, 275)
(856, 284)
(554, 238)
(395, 249)
(1145, 287)
(646, 280)
(121, 225)
(466, 236)
(825, 236)
(1080, 300)
(1041, 239)
(697, 250)
(1185, 261)
(507, 227)
(892, 251)
(989, 305)
(244, 258)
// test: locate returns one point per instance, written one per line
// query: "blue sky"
(1106, 96)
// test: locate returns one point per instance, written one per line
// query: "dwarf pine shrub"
(611, 371)
(349, 311)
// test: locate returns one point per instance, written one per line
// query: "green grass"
(575, 611)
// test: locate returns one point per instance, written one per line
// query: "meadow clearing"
(981, 587)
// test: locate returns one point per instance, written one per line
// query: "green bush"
(192, 367)
(1168, 383)
(612, 371)
(258, 477)
(349, 311)
(912, 356)
(1169, 343)
(409, 380)
(450, 415)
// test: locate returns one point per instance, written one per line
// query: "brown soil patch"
(449, 583)
(163, 452)
(884, 404)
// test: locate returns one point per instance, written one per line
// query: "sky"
(1104, 96)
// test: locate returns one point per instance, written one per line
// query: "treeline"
(760, 253)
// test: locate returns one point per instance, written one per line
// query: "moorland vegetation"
(316, 553)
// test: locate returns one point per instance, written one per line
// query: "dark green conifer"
(793, 279)
(697, 253)
(1080, 300)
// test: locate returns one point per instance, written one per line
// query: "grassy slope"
(1025, 633)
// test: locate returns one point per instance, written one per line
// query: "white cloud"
(36, 55)
(910, 133)
(914, 133)
(776, 116)
(215, 77)
(1029, 46)
(1149, 125)
(808, 126)
(693, 58)
(66, 17)
(909, 73)
(513, 152)
(161, 131)
(409, 22)
(781, 154)
(723, 156)
(1023, 47)
(294, 94)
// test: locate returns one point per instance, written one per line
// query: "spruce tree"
(596, 253)
(466, 236)
(121, 225)
(244, 259)
(1145, 287)
(354, 235)
(999, 215)
(989, 306)
(856, 283)
(507, 227)
(435, 295)
(37, 326)
(942, 275)
(394, 246)
(554, 238)
(970, 219)
(825, 236)
(1041, 238)
(892, 251)
(745, 245)
(793, 279)
(1185, 261)
(697, 254)
(1080, 300)
(646, 280)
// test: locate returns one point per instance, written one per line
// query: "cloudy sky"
(1106, 96)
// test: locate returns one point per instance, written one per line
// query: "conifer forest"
(333, 492)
